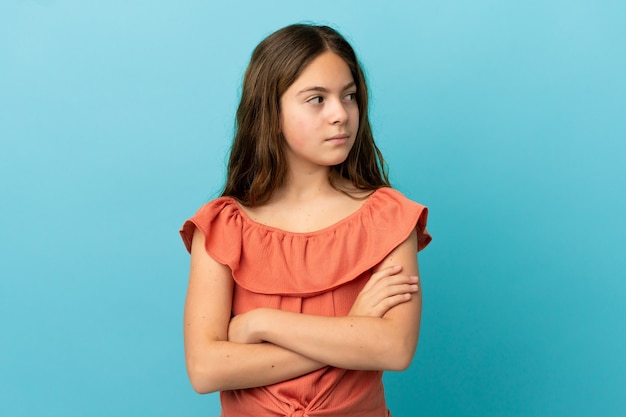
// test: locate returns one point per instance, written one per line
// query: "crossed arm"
(266, 346)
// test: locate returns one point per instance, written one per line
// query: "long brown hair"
(257, 165)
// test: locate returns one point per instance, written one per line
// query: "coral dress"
(320, 273)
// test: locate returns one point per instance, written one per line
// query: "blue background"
(506, 118)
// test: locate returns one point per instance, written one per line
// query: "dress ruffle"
(272, 261)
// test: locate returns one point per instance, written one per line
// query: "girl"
(303, 281)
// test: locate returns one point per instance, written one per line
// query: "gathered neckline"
(272, 261)
(323, 230)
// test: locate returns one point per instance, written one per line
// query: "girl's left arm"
(354, 341)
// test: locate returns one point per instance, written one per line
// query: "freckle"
(272, 366)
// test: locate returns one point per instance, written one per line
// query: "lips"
(339, 137)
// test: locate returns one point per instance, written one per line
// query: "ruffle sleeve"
(221, 223)
(267, 260)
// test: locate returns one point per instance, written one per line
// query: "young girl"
(303, 282)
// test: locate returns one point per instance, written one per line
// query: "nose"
(338, 112)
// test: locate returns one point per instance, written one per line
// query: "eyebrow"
(323, 89)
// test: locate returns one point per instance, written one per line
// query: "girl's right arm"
(214, 363)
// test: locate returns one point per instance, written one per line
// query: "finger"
(383, 273)
(392, 290)
(388, 271)
(381, 299)
(398, 290)
(378, 292)
(390, 281)
(399, 279)
(390, 302)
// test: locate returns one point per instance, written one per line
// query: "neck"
(306, 184)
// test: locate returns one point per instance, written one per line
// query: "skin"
(319, 106)
(266, 346)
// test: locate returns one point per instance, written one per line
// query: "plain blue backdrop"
(506, 118)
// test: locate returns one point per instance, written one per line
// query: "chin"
(336, 161)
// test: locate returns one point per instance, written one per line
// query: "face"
(320, 114)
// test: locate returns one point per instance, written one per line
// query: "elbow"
(202, 380)
(400, 354)
(400, 362)
(201, 386)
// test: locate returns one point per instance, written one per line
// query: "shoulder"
(392, 199)
(217, 217)
(391, 209)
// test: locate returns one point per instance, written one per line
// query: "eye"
(351, 96)
(316, 100)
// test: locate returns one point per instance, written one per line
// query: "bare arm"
(360, 340)
(214, 363)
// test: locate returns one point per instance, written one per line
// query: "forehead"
(327, 70)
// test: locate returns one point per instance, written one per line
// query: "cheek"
(354, 118)
(295, 130)
(297, 124)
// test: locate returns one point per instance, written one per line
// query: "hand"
(241, 328)
(385, 290)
